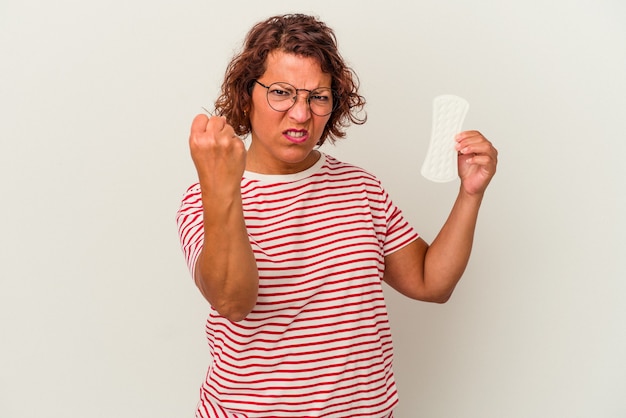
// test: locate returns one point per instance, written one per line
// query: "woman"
(290, 246)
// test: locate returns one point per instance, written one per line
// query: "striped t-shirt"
(318, 342)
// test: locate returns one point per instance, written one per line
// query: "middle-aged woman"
(290, 246)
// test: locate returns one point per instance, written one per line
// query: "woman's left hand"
(477, 161)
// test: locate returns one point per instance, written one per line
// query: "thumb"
(199, 124)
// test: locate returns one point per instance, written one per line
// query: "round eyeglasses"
(282, 96)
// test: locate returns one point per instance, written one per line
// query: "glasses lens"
(280, 96)
(321, 101)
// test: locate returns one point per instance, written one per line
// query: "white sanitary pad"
(440, 164)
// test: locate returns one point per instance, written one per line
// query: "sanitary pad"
(440, 164)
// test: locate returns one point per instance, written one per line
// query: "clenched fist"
(218, 154)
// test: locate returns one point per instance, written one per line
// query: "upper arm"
(404, 271)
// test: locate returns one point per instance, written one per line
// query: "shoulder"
(194, 188)
(335, 167)
(191, 200)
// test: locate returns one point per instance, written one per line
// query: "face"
(284, 142)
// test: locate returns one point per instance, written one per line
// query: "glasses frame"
(294, 99)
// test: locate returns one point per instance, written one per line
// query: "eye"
(321, 96)
(278, 91)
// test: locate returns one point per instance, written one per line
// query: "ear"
(250, 87)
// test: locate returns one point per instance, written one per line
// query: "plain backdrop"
(98, 314)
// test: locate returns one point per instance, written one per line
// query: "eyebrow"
(286, 82)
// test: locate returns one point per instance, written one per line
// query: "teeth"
(296, 134)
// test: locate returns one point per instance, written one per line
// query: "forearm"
(449, 253)
(226, 271)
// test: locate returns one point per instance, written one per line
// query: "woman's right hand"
(217, 153)
(226, 271)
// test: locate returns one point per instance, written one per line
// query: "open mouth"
(297, 136)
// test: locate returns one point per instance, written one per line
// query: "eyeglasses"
(282, 96)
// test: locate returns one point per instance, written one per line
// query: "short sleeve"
(399, 232)
(190, 226)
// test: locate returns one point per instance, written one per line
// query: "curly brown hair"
(297, 34)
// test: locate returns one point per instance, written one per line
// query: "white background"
(98, 315)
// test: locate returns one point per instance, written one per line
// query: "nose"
(300, 110)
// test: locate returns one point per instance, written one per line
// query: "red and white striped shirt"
(318, 342)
